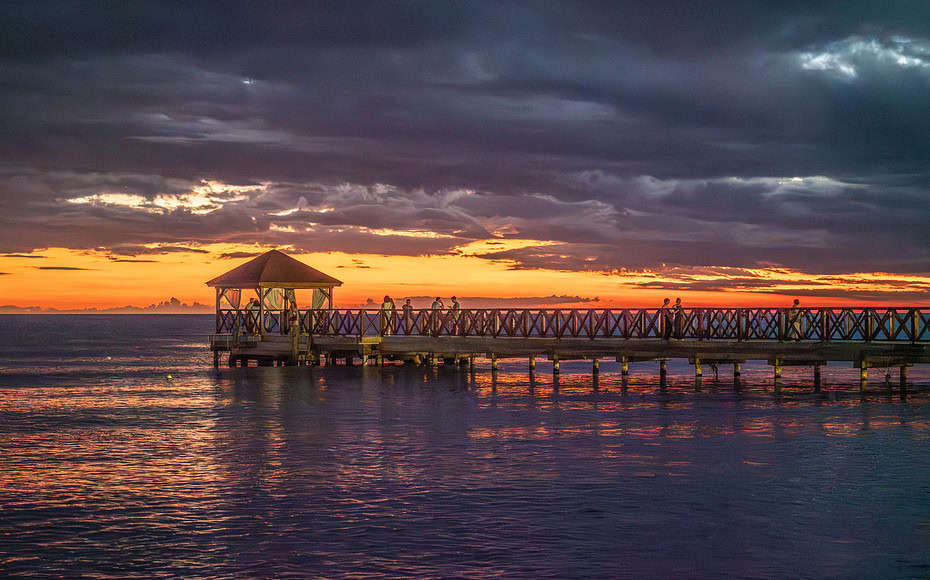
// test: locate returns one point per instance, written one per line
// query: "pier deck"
(864, 337)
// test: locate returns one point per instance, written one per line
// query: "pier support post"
(817, 379)
(471, 363)
(624, 366)
(216, 359)
(902, 377)
(698, 371)
(595, 369)
(532, 362)
(663, 369)
(555, 363)
(493, 362)
(379, 360)
(777, 368)
(737, 370)
(863, 374)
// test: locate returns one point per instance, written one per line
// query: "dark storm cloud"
(630, 135)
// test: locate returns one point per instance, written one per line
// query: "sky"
(731, 153)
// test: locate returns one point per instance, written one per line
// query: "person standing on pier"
(436, 315)
(407, 310)
(794, 319)
(291, 314)
(251, 316)
(387, 315)
(456, 310)
(679, 317)
(665, 320)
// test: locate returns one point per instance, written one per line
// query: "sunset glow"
(68, 279)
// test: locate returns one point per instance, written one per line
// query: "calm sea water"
(111, 468)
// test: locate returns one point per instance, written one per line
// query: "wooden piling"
(737, 370)
(555, 363)
(863, 374)
(663, 368)
(624, 366)
(532, 362)
(295, 347)
(902, 377)
(493, 362)
(698, 371)
(817, 379)
(777, 366)
(594, 367)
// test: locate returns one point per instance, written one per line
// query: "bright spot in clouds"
(845, 57)
(202, 199)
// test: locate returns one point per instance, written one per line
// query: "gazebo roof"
(274, 269)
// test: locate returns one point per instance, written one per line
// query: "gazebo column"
(218, 319)
(261, 310)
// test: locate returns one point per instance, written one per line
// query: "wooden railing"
(900, 324)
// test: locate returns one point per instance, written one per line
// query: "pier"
(273, 331)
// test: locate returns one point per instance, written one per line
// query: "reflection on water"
(111, 468)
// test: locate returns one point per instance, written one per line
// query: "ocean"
(123, 453)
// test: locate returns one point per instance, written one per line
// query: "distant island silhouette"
(175, 306)
(170, 306)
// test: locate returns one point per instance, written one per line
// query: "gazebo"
(269, 281)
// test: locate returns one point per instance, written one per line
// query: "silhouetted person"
(665, 317)
(292, 315)
(456, 310)
(678, 314)
(407, 310)
(436, 315)
(794, 319)
(387, 315)
(251, 316)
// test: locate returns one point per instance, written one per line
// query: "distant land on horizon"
(170, 306)
(175, 306)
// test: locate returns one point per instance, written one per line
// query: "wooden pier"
(864, 337)
(271, 329)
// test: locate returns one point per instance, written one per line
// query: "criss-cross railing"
(899, 324)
